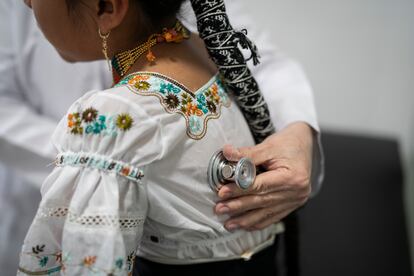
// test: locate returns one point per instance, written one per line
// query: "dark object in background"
(356, 225)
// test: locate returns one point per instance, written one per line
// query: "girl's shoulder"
(105, 124)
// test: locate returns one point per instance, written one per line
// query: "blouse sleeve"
(94, 203)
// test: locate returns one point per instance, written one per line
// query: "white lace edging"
(91, 220)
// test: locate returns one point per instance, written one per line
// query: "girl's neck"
(187, 62)
(126, 61)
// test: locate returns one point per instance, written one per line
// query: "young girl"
(130, 177)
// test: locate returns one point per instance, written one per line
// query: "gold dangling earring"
(104, 38)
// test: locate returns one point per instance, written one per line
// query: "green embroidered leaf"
(43, 261)
(119, 263)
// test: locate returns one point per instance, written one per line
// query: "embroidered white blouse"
(131, 179)
(33, 100)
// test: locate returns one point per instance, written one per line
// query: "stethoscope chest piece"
(222, 171)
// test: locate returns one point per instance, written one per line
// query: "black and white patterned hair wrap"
(222, 43)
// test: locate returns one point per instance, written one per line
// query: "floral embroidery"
(89, 115)
(142, 85)
(96, 126)
(74, 123)
(119, 263)
(100, 163)
(43, 261)
(197, 108)
(124, 121)
(90, 122)
(137, 78)
(165, 87)
(211, 107)
(195, 124)
(171, 101)
(89, 262)
(130, 260)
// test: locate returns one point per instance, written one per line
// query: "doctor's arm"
(292, 156)
(24, 134)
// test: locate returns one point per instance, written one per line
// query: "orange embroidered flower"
(89, 261)
(214, 92)
(125, 171)
(74, 123)
(72, 119)
(138, 78)
(214, 89)
(192, 109)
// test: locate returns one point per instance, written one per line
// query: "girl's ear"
(110, 13)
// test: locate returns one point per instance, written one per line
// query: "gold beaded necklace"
(123, 61)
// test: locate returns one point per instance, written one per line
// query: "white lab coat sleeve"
(24, 135)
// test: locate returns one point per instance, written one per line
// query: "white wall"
(359, 56)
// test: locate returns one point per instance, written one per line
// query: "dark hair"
(157, 11)
(154, 10)
(160, 8)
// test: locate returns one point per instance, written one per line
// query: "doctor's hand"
(285, 186)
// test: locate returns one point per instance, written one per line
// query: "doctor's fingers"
(258, 219)
(239, 205)
(271, 220)
(267, 182)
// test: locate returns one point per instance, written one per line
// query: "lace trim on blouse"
(91, 220)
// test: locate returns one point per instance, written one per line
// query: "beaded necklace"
(123, 61)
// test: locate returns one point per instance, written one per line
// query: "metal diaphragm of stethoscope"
(222, 171)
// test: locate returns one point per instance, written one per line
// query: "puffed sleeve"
(94, 203)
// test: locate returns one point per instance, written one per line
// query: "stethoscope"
(222, 171)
